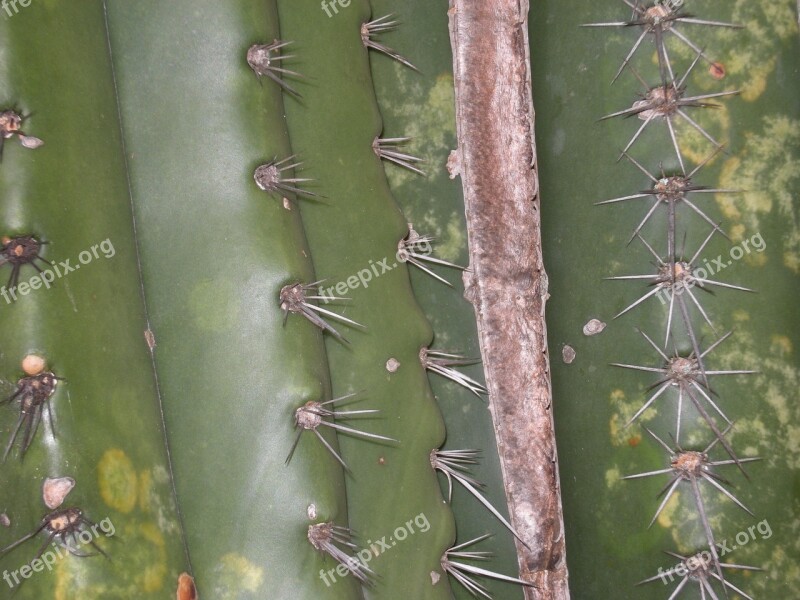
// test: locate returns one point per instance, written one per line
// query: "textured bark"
(507, 283)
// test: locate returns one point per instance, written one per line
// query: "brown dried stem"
(506, 282)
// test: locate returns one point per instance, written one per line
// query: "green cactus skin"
(610, 547)
(89, 325)
(334, 128)
(421, 106)
(216, 252)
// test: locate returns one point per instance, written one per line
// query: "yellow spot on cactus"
(768, 170)
(430, 116)
(154, 573)
(667, 516)
(145, 490)
(781, 345)
(453, 241)
(617, 395)
(613, 478)
(737, 232)
(740, 316)
(117, 480)
(236, 574)
(791, 260)
(64, 588)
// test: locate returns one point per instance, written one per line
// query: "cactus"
(85, 470)
(355, 233)
(259, 379)
(214, 298)
(732, 333)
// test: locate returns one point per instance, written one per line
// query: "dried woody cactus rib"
(507, 284)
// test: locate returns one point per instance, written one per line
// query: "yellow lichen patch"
(141, 550)
(429, 114)
(64, 587)
(791, 260)
(613, 478)
(154, 573)
(235, 575)
(781, 345)
(621, 435)
(117, 480)
(748, 56)
(667, 517)
(736, 233)
(740, 316)
(768, 170)
(145, 490)
(453, 242)
(694, 144)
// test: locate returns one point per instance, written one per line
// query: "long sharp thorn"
(675, 145)
(652, 399)
(671, 490)
(733, 498)
(706, 526)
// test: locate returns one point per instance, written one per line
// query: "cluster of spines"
(303, 299)
(674, 278)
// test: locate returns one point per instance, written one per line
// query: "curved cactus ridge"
(421, 106)
(393, 494)
(221, 238)
(86, 464)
